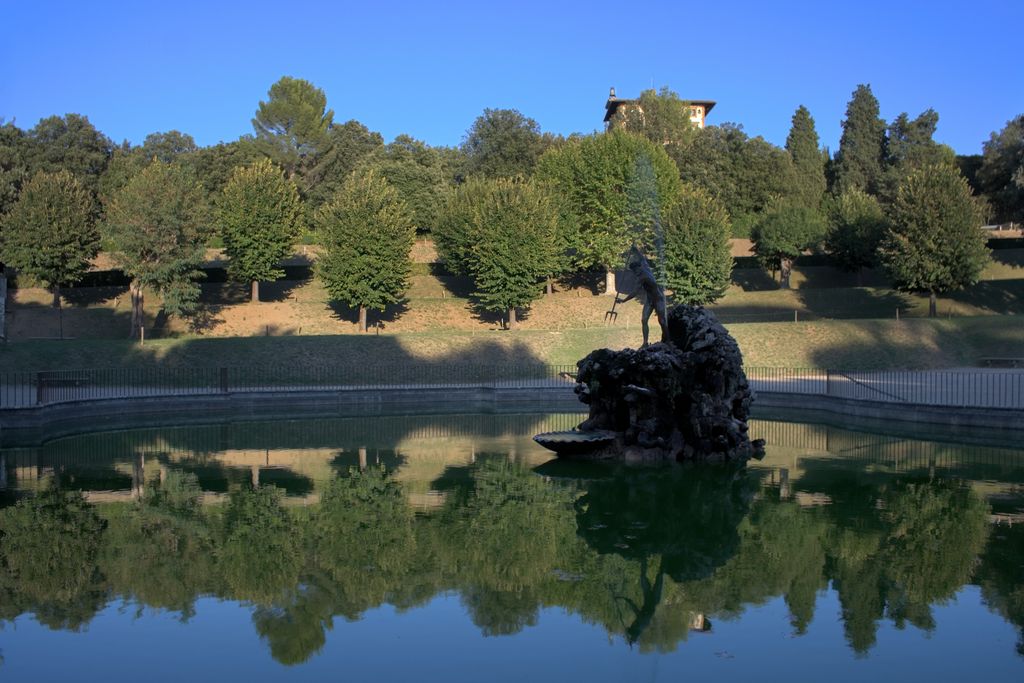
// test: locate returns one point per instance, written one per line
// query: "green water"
(453, 548)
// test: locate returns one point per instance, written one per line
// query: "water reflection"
(653, 556)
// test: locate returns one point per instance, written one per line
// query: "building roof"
(614, 103)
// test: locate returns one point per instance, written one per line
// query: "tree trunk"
(785, 269)
(512, 318)
(60, 311)
(135, 290)
(362, 318)
(255, 292)
(932, 305)
(609, 282)
(550, 287)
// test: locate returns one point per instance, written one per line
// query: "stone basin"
(575, 442)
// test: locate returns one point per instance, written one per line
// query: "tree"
(503, 143)
(367, 233)
(659, 116)
(909, 145)
(594, 176)
(934, 243)
(698, 257)
(858, 163)
(504, 234)
(293, 125)
(153, 224)
(808, 160)
(417, 172)
(783, 234)
(49, 234)
(856, 226)
(1001, 176)
(748, 175)
(69, 143)
(349, 144)
(13, 165)
(260, 216)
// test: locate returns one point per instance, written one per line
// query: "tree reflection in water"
(649, 554)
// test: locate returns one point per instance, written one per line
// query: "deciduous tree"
(153, 224)
(260, 216)
(857, 224)
(1001, 176)
(49, 234)
(503, 143)
(504, 234)
(69, 143)
(935, 242)
(784, 233)
(595, 175)
(698, 257)
(367, 233)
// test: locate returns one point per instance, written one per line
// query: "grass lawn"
(842, 344)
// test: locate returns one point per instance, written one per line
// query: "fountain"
(685, 398)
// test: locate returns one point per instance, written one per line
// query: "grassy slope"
(847, 344)
(842, 325)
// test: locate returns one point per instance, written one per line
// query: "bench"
(64, 378)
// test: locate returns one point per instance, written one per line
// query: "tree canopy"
(49, 234)
(153, 224)
(367, 233)
(747, 175)
(503, 143)
(293, 125)
(934, 243)
(504, 234)
(783, 234)
(260, 216)
(600, 178)
(857, 224)
(858, 163)
(1001, 174)
(808, 159)
(698, 256)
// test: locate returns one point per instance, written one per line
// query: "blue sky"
(429, 69)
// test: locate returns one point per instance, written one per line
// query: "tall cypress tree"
(858, 163)
(808, 159)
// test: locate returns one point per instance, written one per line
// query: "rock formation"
(686, 399)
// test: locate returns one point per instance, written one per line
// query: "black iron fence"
(982, 388)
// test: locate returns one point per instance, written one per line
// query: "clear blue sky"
(428, 69)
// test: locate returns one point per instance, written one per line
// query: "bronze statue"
(644, 287)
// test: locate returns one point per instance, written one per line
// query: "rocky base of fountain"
(682, 400)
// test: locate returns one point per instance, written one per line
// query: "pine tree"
(808, 159)
(858, 163)
(49, 233)
(260, 216)
(698, 258)
(935, 243)
(367, 233)
(153, 224)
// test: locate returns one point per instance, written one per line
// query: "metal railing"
(32, 389)
(981, 388)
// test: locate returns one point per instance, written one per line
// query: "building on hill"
(699, 109)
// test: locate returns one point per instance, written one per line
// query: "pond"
(454, 548)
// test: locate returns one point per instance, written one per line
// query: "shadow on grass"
(853, 302)
(1005, 297)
